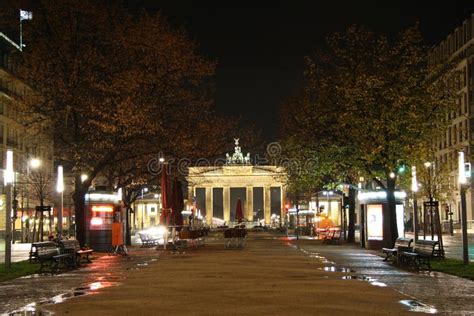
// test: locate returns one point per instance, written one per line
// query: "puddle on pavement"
(337, 269)
(38, 308)
(356, 277)
(412, 305)
(416, 306)
(33, 276)
(365, 278)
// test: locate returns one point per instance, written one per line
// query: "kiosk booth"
(102, 209)
(374, 208)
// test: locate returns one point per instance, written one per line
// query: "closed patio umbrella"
(177, 204)
(238, 212)
(165, 196)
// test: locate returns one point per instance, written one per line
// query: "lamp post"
(8, 180)
(463, 185)
(429, 166)
(60, 190)
(414, 189)
(144, 190)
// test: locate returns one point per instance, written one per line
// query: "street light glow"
(84, 177)
(60, 184)
(461, 171)
(392, 175)
(9, 174)
(414, 182)
(162, 159)
(35, 163)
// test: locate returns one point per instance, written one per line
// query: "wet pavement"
(425, 292)
(430, 291)
(31, 294)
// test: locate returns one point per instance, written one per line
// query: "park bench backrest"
(47, 251)
(42, 244)
(70, 245)
(425, 247)
(404, 243)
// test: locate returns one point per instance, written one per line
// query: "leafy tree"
(112, 87)
(379, 102)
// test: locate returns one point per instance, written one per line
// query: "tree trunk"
(34, 226)
(392, 212)
(352, 217)
(79, 209)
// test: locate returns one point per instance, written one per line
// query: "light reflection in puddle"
(376, 283)
(335, 269)
(373, 282)
(416, 306)
(36, 308)
(100, 285)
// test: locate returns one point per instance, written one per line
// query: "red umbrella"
(177, 204)
(165, 196)
(179, 218)
(238, 212)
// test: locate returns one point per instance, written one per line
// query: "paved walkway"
(271, 275)
(447, 294)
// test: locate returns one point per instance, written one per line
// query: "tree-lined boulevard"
(117, 125)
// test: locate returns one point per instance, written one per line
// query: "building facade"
(458, 47)
(216, 190)
(27, 143)
(146, 211)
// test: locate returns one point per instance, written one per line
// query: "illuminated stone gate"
(238, 174)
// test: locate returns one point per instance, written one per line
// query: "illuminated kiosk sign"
(374, 222)
(102, 210)
(374, 207)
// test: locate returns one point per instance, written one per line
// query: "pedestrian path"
(445, 293)
(272, 274)
(20, 251)
(267, 277)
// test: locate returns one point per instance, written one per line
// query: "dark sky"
(260, 45)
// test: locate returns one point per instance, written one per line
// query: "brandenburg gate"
(238, 174)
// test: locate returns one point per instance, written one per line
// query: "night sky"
(260, 45)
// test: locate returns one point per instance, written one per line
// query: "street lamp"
(429, 166)
(8, 180)
(463, 184)
(35, 163)
(144, 190)
(84, 177)
(414, 189)
(60, 189)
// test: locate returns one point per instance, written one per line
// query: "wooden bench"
(36, 246)
(401, 244)
(422, 253)
(72, 248)
(50, 255)
(148, 241)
